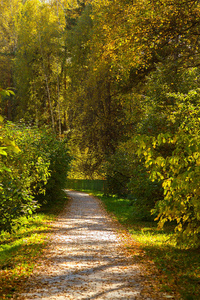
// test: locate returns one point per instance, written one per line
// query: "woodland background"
(113, 86)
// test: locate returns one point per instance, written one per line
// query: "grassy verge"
(181, 268)
(20, 249)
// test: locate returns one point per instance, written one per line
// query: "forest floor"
(90, 256)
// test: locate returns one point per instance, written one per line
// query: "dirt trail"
(86, 259)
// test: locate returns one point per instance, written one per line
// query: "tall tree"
(38, 62)
(95, 113)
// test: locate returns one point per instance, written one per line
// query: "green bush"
(178, 169)
(119, 168)
(144, 193)
(59, 166)
(39, 168)
(128, 177)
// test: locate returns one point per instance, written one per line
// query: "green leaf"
(2, 152)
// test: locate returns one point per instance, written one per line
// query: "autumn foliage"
(120, 80)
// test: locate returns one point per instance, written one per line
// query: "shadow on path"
(85, 259)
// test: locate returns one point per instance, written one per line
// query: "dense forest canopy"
(120, 80)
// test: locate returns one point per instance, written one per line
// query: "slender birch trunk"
(58, 93)
(58, 86)
(47, 85)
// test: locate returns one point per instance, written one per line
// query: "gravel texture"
(85, 258)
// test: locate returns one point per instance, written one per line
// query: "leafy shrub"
(59, 166)
(127, 176)
(144, 193)
(38, 168)
(119, 170)
(179, 170)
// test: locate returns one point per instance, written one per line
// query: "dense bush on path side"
(31, 173)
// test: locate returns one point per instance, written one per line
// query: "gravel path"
(85, 259)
